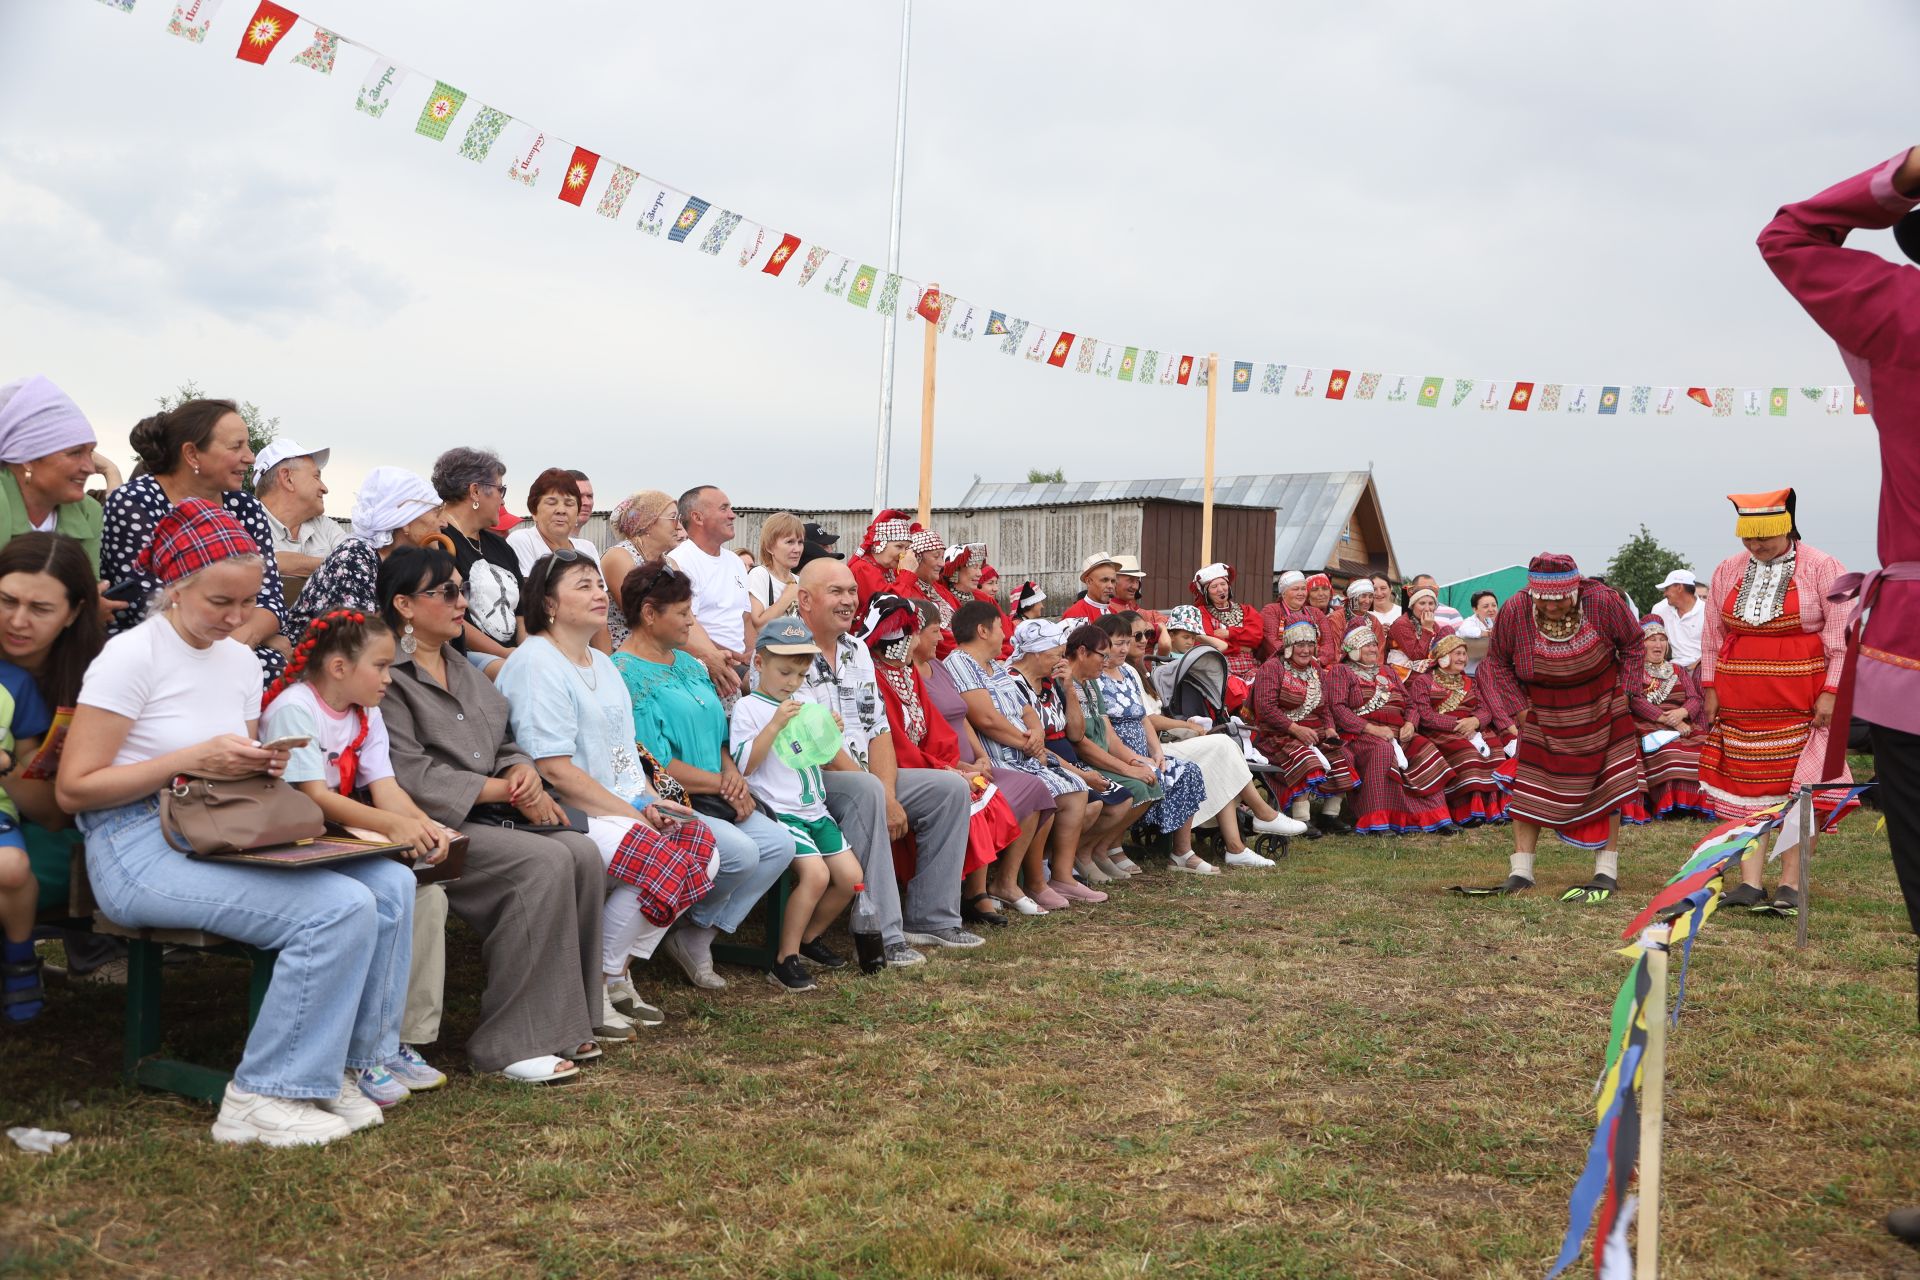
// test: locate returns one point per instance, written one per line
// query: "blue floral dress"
(1184, 787)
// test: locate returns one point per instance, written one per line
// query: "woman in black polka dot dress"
(197, 450)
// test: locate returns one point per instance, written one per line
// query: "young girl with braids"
(330, 695)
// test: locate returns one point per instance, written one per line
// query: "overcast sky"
(1509, 190)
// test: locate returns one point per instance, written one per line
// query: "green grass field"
(1332, 1069)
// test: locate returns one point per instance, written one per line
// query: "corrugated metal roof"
(1310, 507)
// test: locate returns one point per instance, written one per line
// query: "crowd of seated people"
(628, 745)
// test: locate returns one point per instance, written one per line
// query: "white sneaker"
(1246, 858)
(622, 994)
(1279, 824)
(613, 1024)
(276, 1122)
(353, 1106)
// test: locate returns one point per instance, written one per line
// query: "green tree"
(260, 428)
(1639, 565)
(1056, 476)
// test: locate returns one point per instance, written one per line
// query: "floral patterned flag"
(573, 187)
(1368, 385)
(1200, 374)
(124, 6)
(1337, 384)
(860, 293)
(1242, 375)
(1462, 388)
(483, 133)
(320, 54)
(815, 256)
(1639, 402)
(689, 218)
(1144, 367)
(1547, 399)
(1273, 379)
(1083, 358)
(888, 302)
(1778, 402)
(781, 255)
(267, 28)
(1722, 402)
(377, 90)
(191, 18)
(1815, 394)
(1129, 361)
(619, 187)
(1062, 347)
(717, 232)
(443, 104)
(1016, 330)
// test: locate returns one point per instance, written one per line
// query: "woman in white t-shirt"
(772, 583)
(177, 694)
(553, 513)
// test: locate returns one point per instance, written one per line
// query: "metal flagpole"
(883, 437)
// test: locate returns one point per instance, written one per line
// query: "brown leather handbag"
(207, 817)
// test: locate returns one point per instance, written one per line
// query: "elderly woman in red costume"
(1410, 638)
(1469, 732)
(1331, 618)
(1358, 612)
(882, 547)
(1275, 618)
(1567, 663)
(1770, 660)
(1294, 729)
(1230, 625)
(929, 554)
(1672, 767)
(1402, 775)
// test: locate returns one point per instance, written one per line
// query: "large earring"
(476, 504)
(407, 643)
(29, 473)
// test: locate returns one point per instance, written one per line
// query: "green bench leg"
(762, 956)
(144, 1066)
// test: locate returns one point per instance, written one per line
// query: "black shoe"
(1786, 902)
(1314, 831)
(1334, 824)
(790, 975)
(1904, 1224)
(1514, 884)
(1448, 830)
(819, 953)
(1744, 895)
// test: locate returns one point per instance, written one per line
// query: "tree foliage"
(260, 428)
(1639, 565)
(1056, 476)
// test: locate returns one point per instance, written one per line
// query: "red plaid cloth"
(192, 536)
(668, 868)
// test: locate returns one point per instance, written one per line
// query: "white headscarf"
(37, 419)
(390, 499)
(1037, 635)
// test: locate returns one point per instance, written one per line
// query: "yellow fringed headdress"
(1763, 515)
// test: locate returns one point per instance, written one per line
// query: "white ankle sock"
(1520, 864)
(1607, 863)
(1332, 806)
(1302, 809)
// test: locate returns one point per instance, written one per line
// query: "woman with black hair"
(532, 887)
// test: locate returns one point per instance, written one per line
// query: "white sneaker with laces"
(1279, 824)
(1246, 858)
(353, 1106)
(275, 1122)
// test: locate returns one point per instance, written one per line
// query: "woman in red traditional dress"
(1566, 662)
(1294, 730)
(1331, 618)
(1410, 638)
(882, 546)
(1275, 618)
(1227, 621)
(1672, 769)
(951, 589)
(1402, 775)
(1468, 731)
(1359, 612)
(1770, 660)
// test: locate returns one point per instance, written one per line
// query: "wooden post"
(1206, 481)
(1653, 1094)
(926, 423)
(1806, 864)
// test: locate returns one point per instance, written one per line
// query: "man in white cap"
(1098, 573)
(286, 479)
(1684, 615)
(1126, 596)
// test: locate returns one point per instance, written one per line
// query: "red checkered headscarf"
(193, 535)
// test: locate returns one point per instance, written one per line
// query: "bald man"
(879, 802)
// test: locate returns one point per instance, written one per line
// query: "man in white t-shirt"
(1684, 615)
(286, 479)
(722, 625)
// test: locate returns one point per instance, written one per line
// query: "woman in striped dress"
(1566, 661)
(1672, 770)
(1294, 730)
(1401, 773)
(1468, 732)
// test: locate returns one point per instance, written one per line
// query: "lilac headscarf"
(37, 419)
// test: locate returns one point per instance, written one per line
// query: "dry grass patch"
(1329, 1070)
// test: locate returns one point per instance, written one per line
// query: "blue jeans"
(344, 934)
(754, 853)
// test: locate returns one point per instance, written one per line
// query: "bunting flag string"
(770, 247)
(1685, 904)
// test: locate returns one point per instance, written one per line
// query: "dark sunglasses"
(1143, 635)
(450, 592)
